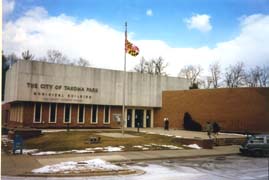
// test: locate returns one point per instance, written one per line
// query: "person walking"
(208, 129)
(216, 128)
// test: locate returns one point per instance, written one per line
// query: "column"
(125, 118)
(145, 118)
(152, 118)
(133, 118)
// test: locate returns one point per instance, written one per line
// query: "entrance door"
(139, 117)
(148, 118)
(129, 118)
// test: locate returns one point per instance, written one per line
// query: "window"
(267, 139)
(106, 115)
(81, 113)
(94, 114)
(37, 113)
(257, 140)
(53, 113)
(67, 113)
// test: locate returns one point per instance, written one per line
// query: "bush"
(190, 124)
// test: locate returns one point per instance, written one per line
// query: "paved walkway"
(186, 134)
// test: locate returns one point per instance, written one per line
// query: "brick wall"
(5, 114)
(28, 115)
(237, 109)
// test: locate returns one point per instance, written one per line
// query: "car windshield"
(255, 140)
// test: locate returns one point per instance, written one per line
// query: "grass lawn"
(62, 141)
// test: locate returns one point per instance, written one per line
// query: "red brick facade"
(238, 109)
(28, 116)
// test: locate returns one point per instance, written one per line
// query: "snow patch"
(27, 151)
(146, 146)
(171, 147)
(138, 146)
(151, 133)
(194, 146)
(70, 166)
(47, 153)
(112, 149)
(169, 135)
(81, 151)
(87, 150)
(233, 134)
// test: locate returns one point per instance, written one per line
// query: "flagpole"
(124, 82)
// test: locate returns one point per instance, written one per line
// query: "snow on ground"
(87, 150)
(147, 146)
(233, 134)
(81, 151)
(151, 133)
(169, 135)
(71, 166)
(194, 146)
(47, 153)
(138, 146)
(27, 151)
(112, 149)
(171, 147)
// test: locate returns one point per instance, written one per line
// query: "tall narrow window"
(94, 114)
(106, 115)
(81, 113)
(38, 113)
(67, 113)
(53, 115)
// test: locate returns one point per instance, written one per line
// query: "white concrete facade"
(46, 82)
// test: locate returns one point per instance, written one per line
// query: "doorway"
(129, 118)
(139, 117)
(148, 119)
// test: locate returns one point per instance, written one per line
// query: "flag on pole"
(131, 49)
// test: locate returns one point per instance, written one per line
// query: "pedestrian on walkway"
(216, 128)
(208, 129)
(166, 124)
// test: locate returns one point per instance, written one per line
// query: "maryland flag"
(131, 49)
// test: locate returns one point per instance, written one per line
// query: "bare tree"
(215, 74)
(83, 62)
(153, 66)
(150, 67)
(159, 66)
(264, 77)
(235, 75)
(27, 56)
(141, 67)
(191, 73)
(11, 59)
(253, 77)
(55, 56)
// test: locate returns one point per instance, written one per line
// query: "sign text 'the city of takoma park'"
(61, 87)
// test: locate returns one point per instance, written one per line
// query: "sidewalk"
(15, 165)
(186, 134)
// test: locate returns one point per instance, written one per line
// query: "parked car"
(256, 145)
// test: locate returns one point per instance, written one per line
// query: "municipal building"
(46, 95)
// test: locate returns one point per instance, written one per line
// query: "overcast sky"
(183, 32)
